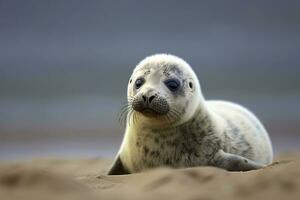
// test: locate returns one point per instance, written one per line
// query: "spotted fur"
(194, 132)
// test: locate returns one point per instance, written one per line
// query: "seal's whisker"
(131, 117)
(176, 112)
(122, 115)
(169, 118)
(135, 118)
(175, 115)
(122, 118)
(124, 110)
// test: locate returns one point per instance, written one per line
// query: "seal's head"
(163, 89)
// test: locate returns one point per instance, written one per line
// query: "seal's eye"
(172, 84)
(139, 82)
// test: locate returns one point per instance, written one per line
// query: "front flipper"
(233, 162)
(118, 168)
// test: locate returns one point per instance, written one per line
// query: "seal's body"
(170, 124)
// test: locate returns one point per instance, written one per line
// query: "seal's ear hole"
(191, 84)
(130, 80)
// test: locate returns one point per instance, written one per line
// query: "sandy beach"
(85, 179)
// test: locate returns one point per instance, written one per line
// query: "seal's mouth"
(152, 110)
(149, 112)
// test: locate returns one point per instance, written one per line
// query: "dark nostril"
(151, 98)
(144, 98)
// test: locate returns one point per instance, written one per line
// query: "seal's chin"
(149, 112)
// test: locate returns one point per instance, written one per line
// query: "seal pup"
(169, 123)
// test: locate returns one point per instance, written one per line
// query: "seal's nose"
(149, 100)
(144, 98)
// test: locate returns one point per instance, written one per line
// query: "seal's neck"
(201, 117)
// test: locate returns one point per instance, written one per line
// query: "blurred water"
(74, 112)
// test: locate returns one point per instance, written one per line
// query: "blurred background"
(64, 66)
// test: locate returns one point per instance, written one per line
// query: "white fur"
(250, 126)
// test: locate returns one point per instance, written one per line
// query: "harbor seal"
(169, 123)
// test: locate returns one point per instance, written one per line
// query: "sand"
(86, 179)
